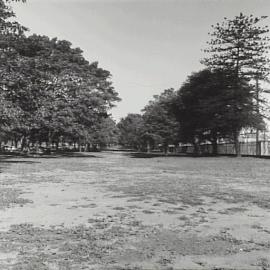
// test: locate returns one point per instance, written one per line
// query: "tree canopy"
(160, 122)
(131, 130)
(48, 89)
(205, 109)
(239, 46)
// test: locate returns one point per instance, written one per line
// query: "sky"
(147, 45)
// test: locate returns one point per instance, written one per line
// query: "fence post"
(241, 148)
(259, 149)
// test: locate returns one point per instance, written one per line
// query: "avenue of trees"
(49, 92)
(215, 103)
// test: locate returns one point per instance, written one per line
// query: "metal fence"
(246, 148)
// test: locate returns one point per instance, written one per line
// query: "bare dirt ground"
(126, 211)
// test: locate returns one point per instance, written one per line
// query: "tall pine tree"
(239, 46)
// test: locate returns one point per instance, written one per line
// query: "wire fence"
(246, 149)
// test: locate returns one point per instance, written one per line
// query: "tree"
(239, 46)
(77, 94)
(106, 133)
(160, 121)
(131, 130)
(204, 105)
(56, 90)
(10, 34)
(49, 91)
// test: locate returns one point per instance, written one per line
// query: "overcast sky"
(147, 45)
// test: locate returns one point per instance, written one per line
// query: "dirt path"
(117, 211)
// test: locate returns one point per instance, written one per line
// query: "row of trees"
(48, 91)
(215, 103)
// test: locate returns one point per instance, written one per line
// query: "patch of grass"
(184, 218)
(148, 211)
(10, 197)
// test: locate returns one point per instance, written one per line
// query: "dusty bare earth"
(123, 211)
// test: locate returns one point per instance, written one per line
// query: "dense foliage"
(156, 128)
(215, 104)
(160, 122)
(208, 110)
(131, 131)
(49, 92)
(240, 47)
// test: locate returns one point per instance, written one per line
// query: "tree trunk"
(36, 146)
(87, 147)
(237, 144)
(50, 137)
(196, 148)
(236, 133)
(215, 148)
(166, 150)
(148, 147)
(23, 143)
(80, 146)
(214, 145)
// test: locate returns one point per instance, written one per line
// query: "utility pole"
(258, 148)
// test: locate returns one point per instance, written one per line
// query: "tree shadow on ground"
(68, 155)
(147, 155)
(20, 158)
(51, 155)
(157, 155)
(7, 159)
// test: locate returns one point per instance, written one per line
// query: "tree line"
(49, 92)
(213, 104)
